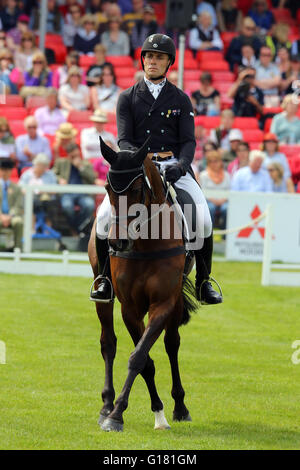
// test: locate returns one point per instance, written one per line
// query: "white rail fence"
(69, 264)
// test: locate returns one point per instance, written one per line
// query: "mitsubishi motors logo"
(246, 232)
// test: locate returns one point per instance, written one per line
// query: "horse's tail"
(189, 300)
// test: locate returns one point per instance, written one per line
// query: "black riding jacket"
(169, 120)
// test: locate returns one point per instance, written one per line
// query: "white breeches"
(186, 183)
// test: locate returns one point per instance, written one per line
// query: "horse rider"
(157, 107)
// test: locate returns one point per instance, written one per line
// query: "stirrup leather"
(92, 291)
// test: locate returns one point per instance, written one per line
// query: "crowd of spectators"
(261, 53)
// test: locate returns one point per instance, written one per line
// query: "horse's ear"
(141, 153)
(108, 153)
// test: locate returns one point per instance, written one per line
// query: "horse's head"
(128, 184)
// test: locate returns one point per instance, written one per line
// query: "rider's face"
(155, 64)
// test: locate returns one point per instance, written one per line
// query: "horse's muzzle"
(123, 244)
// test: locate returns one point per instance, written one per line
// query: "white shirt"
(245, 180)
(74, 97)
(155, 88)
(89, 142)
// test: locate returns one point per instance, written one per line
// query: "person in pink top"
(241, 160)
(50, 117)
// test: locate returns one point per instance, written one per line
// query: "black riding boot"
(204, 290)
(104, 293)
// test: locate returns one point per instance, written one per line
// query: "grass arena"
(238, 362)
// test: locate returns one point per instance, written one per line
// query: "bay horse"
(147, 276)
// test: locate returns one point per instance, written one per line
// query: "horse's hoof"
(110, 424)
(177, 417)
(102, 418)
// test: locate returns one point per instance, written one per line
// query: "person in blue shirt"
(252, 178)
(262, 16)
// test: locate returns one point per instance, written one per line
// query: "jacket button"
(163, 148)
(162, 113)
(149, 114)
(162, 131)
(149, 148)
(148, 131)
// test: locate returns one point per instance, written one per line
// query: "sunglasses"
(37, 62)
(2, 37)
(270, 170)
(265, 55)
(31, 127)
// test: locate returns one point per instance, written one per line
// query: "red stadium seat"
(14, 175)
(109, 127)
(209, 122)
(267, 125)
(13, 100)
(86, 60)
(190, 85)
(79, 116)
(209, 56)
(222, 87)
(191, 75)
(125, 72)
(34, 102)
(13, 112)
(253, 135)
(291, 151)
(120, 60)
(125, 82)
(189, 63)
(17, 128)
(211, 66)
(245, 123)
(223, 76)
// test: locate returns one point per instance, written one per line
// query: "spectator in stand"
(14, 35)
(136, 14)
(205, 36)
(74, 170)
(89, 139)
(253, 177)
(39, 74)
(25, 52)
(116, 41)
(283, 61)
(9, 14)
(49, 117)
(64, 136)
(105, 95)
(278, 37)
(94, 72)
(39, 174)
(206, 100)
(30, 144)
(216, 178)
(241, 160)
(60, 75)
(101, 168)
(295, 49)
(143, 28)
(207, 7)
(248, 98)
(206, 145)
(108, 10)
(71, 24)
(7, 140)
(293, 75)
(271, 149)
(235, 138)
(280, 184)
(87, 36)
(247, 36)
(286, 125)
(74, 95)
(55, 20)
(230, 18)
(262, 16)
(68, 5)
(11, 202)
(268, 77)
(220, 135)
(248, 58)
(6, 69)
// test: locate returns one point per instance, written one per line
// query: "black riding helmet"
(159, 43)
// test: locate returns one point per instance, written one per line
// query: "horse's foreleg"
(136, 364)
(136, 330)
(172, 343)
(108, 343)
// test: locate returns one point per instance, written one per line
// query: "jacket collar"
(166, 94)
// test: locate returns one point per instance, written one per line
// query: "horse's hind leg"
(136, 330)
(172, 343)
(108, 343)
